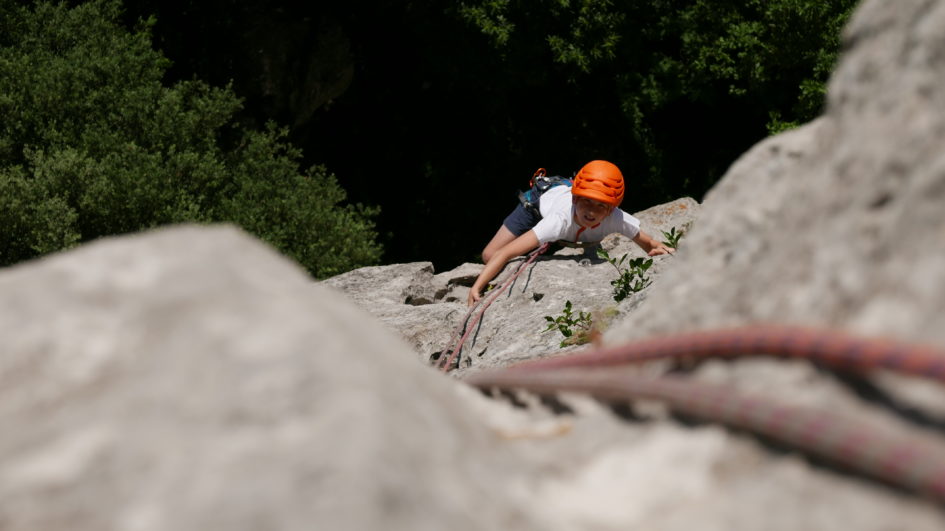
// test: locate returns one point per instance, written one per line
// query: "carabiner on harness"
(540, 183)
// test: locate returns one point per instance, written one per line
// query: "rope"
(484, 304)
(909, 461)
(828, 347)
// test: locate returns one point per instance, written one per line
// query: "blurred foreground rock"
(190, 379)
(193, 379)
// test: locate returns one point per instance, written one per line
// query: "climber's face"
(588, 212)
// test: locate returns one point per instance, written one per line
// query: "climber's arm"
(517, 247)
(651, 246)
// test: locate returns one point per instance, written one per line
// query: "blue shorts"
(521, 220)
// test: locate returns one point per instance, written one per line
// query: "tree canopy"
(437, 112)
(693, 81)
(93, 143)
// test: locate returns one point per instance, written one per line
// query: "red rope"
(484, 304)
(828, 347)
(912, 462)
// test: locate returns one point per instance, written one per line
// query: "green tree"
(93, 144)
(697, 81)
(684, 48)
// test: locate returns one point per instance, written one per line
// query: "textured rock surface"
(513, 328)
(837, 224)
(841, 222)
(193, 379)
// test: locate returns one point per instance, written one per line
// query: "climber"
(584, 212)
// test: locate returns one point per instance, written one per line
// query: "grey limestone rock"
(838, 224)
(191, 378)
(514, 326)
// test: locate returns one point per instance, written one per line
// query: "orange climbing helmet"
(601, 181)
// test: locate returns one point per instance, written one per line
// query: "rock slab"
(191, 378)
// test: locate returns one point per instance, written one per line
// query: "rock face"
(837, 224)
(426, 308)
(192, 379)
(840, 222)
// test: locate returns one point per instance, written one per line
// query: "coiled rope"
(482, 306)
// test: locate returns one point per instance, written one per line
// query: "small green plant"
(673, 237)
(575, 328)
(632, 278)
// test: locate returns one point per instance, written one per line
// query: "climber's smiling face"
(588, 212)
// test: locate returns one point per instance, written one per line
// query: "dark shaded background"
(415, 111)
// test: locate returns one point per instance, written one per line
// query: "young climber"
(584, 212)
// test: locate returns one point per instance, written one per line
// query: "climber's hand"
(474, 295)
(660, 249)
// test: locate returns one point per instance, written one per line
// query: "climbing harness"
(482, 306)
(540, 183)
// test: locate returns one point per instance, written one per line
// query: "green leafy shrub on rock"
(632, 277)
(93, 144)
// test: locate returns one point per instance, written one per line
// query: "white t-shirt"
(557, 220)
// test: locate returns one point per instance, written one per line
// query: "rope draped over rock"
(482, 306)
(911, 461)
(828, 347)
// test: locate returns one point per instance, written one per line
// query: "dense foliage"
(462, 102)
(93, 143)
(694, 81)
(438, 112)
